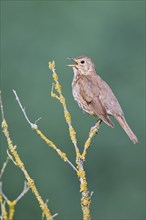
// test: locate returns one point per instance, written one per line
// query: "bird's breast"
(79, 99)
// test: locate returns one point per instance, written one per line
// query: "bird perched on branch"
(94, 96)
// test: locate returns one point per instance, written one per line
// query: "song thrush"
(94, 96)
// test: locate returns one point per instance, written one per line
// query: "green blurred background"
(112, 34)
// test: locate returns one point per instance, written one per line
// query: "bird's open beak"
(72, 65)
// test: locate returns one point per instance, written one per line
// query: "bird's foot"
(95, 127)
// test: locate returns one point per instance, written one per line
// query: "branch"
(25, 190)
(33, 125)
(12, 204)
(47, 141)
(18, 162)
(1, 106)
(53, 216)
(2, 194)
(61, 98)
(85, 197)
(4, 214)
(92, 133)
(4, 167)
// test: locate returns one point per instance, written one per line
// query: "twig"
(85, 198)
(92, 133)
(4, 167)
(71, 165)
(1, 106)
(13, 203)
(54, 215)
(33, 125)
(4, 214)
(3, 195)
(61, 98)
(25, 190)
(18, 162)
(49, 142)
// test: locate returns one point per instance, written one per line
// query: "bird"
(94, 96)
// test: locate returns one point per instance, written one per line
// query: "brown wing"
(90, 92)
(86, 89)
(108, 99)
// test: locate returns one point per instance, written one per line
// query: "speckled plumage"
(94, 96)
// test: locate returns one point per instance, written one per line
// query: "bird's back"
(92, 88)
(107, 97)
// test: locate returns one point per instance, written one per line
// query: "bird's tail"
(126, 128)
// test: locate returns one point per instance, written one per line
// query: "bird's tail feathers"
(107, 120)
(126, 128)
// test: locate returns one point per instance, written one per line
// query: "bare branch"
(18, 162)
(1, 106)
(3, 195)
(4, 167)
(33, 125)
(25, 190)
(70, 163)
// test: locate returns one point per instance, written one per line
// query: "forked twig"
(49, 142)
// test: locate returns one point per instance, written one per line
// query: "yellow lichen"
(20, 164)
(11, 205)
(4, 212)
(55, 76)
(58, 87)
(86, 201)
(62, 100)
(92, 133)
(62, 155)
(81, 173)
(72, 134)
(1, 198)
(51, 65)
(51, 144)
(83, 186)
(54, 95)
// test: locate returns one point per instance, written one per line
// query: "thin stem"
(71, 165)
(4, 167)
(35, 127)
(25, 190)
(92, 133)
(18, 162)
(1, 106)
(3, 195)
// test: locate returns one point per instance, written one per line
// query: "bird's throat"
(76, 76)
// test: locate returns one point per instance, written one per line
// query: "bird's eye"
(82, 61)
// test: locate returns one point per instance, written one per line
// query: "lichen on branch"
(14, 156)
(80, 157)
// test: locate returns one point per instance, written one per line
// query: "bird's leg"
(96, 126)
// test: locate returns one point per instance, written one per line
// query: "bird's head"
(82, 64)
